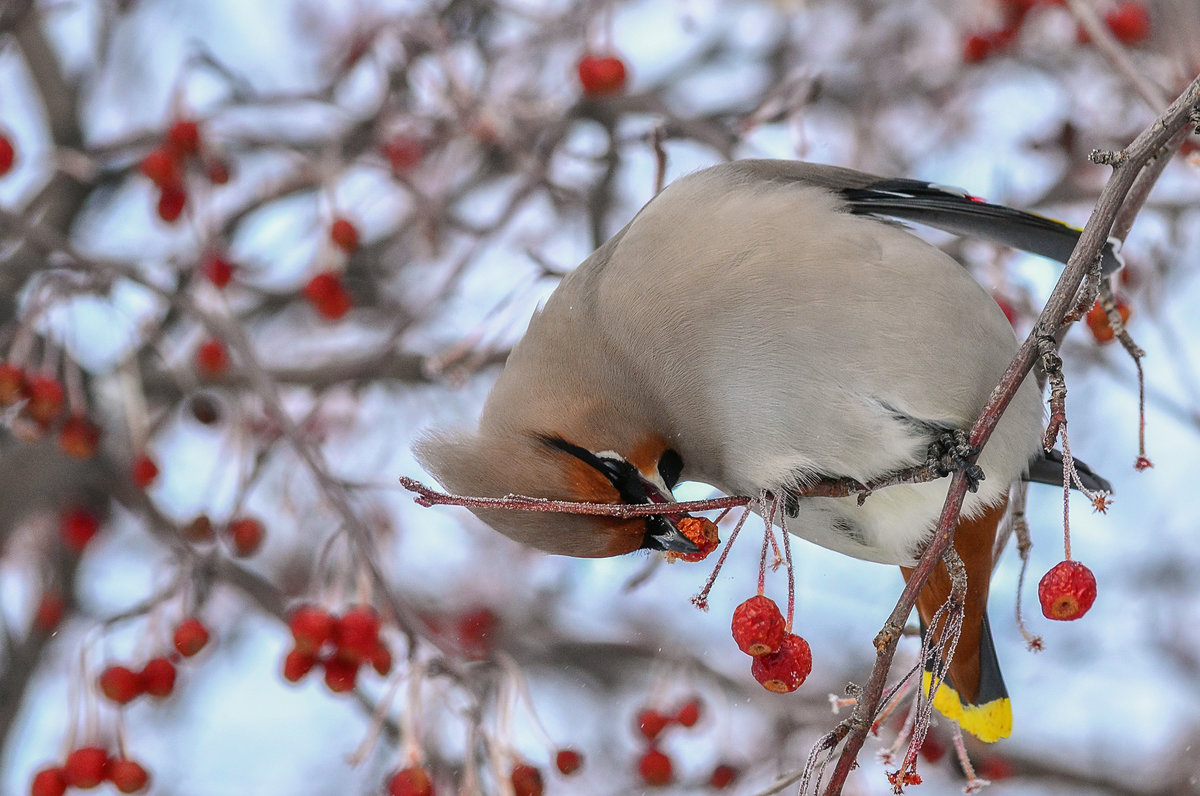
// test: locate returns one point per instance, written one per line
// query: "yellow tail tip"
(988, 722)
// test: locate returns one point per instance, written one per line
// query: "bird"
(760, 325)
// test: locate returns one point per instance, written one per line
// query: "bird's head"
(496, 462)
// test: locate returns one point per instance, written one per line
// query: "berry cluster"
(89, 767)
(1129, 22)
(166, 167)
(341, 645)
(782, 660)
(46, 405)
(654, 766)
(123, 685)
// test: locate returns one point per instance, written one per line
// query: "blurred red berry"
(996, 768)
(158, 677)
(217, 269)
(651, 723)
(758, 626)
(212, 360)
(356, 634)
(1007, 309)
(183, 137)
(311, 627)
(199, 529)
(381, 659)
(128, 776)
(49, 782)
(784, 671)
(526, 780)
(162, 168)
(7, 154)
(49, 612)
(297, 664)
(144, 471)
(655, 768)
(601, 75)
(218, 171)
(403, 152)
(79, 437)
(1098, 323)
(689, 714)
(12, 384)
(190, 637)
(477, 631)
(78, 525)
(120, 684)
(976, 48)
(86, 767)
(723, 776)
(344, 235)
(411, 781)
(932, 748)
(46, 398)
(1129, 22)
(171, 201)
(568, 761)
(1067, 591)
(328, 295)
(340, 675)
(246, 536)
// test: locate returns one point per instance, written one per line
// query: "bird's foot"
(951, 452)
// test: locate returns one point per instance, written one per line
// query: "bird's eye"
(670, 466)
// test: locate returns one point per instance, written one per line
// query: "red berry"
(403, 152)
(183, 137)
(171, 201)
(651, 723)
(217, 269)
(311, 627)
(654, 767)
(689, 714)
(340, 675)
(78, 526)
(976, 48)
(784, 671)
(212, 360)
(144, 471)
(1097, 321)
(411, 781)
(12, 384)
(86, 768)
(344, 235)
(703, 532)
(128, 776)
(477, 631)
(246, 536)
(158, 677)
(357, 634)
(7, 154)
(218, 171)
(49, 612)
(723, 776)
(601, 75)
(526, 780)
(932, 748)
(79, 437)
(335, 307)
(326, 292)
(758, 626)
(190, 637)
(1129, 22)
(162, 168)
(46, 397)
(1067, 591)
(996, 768)
(1007, 309)
(49, 782)
(121, 684)
(568, 761)
(199, 529)
(381, 659)
(297, 664)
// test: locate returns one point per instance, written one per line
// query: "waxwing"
(757, 326)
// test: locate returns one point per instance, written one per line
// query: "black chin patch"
(670, 466)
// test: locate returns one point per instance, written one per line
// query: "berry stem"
(701, 599)
(791, 572)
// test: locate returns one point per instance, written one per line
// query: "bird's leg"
(952, 451)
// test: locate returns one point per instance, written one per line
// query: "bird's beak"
(662, 535)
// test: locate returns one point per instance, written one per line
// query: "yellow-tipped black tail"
(988, 716)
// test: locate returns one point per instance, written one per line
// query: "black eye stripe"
(621, 474)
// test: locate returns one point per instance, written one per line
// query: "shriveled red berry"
(411, 781)
(1098, 323)
(79, 437)
(344, 235)
(172, 198)
(784, 671)
(162, 167)
(688, 714)
(723, 776)
(78, 525)
(356, 634)
(7, 154)
(655, 768)
(190, 637)
(568, 761)
(46, 397)
(49, 612)
(1129, 22)
(703, 532)
(650, 723)
(311, 627)
(758, 626)
(381, 659)
(212, 360)
(144, 470)
(128, 776)
(297, 664)
(49, 782)
(477, 631)
(246, 536)
(86, 767)
(12, 384)
(1067, 591)
(340, 675)
(217, 269)
(121, 684)
(601, 75)
(526, 780)
(158, 677)
(183, 137)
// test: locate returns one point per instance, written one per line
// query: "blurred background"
(248, 251)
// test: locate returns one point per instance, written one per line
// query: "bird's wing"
(1048, 469)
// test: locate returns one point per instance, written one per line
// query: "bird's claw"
(952, 452)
